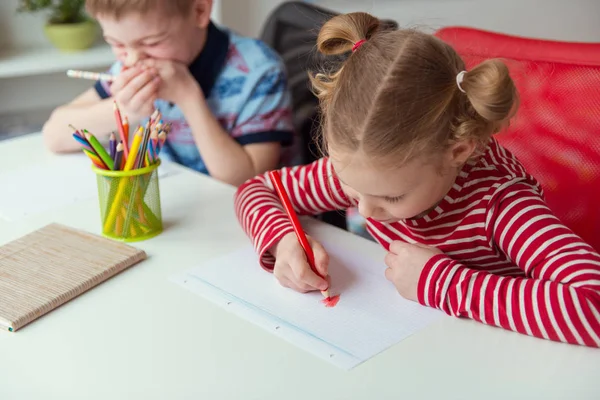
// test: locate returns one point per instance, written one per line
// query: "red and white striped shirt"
(508, 261)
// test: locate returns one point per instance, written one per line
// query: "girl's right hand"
(291, 266)
(135, 89)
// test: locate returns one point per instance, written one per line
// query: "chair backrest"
(291, 30)
(556, 132)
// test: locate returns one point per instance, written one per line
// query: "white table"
(139, 336)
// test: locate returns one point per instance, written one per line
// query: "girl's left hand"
(405, 263)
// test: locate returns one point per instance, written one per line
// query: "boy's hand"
(292, 269)
(406, 262)
(176, 81)
(135, 90)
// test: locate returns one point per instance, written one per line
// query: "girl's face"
(390, 194)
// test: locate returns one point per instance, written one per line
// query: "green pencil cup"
(130, 203)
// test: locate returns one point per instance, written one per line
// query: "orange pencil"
(97, 161)
(126, 129)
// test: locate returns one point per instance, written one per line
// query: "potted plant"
(68, 28)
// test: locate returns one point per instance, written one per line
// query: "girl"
(409, 138)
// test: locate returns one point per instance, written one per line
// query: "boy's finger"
(135, 85)
(145, 95)
(124, 77)
(305, 275)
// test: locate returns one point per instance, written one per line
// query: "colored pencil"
(76, 131)
(96, 76)
(95, 159)
(126, 129)
(119, 156)
(99, 150)
(141, 153)
(287, 205)
(83, 142)
(112, 145)
(155, 116)
(162, 137)
(143, 148)
(130, 160)
(135, 146)
(154, 146)
(124, 138)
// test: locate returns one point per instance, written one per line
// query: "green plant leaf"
(61, 11)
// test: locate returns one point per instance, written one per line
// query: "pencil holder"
(130, 203)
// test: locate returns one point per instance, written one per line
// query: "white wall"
(20, 29)
(27, 101)
(570, 20)
(26, 29)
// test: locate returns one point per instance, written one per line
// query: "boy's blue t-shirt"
(245, 86)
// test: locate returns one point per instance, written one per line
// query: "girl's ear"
(460, 152)
(201, 10)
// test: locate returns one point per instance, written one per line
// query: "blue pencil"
(84, 143)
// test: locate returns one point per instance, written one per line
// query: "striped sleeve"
(313, 189)
(559, 296)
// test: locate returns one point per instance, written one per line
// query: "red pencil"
(287, 205)
(121, 130)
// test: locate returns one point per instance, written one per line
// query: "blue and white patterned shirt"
(245, 86)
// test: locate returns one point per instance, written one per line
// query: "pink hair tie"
(358, 44)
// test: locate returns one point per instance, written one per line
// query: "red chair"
(556, 132)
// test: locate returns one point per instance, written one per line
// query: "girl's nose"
(365, 209)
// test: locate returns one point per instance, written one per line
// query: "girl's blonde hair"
(396, 96)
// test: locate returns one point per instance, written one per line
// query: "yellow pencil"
(95, 159)
(135, 146)
(112, 215)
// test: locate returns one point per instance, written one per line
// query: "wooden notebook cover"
(48, 267)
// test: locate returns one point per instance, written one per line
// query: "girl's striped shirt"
(508, 261)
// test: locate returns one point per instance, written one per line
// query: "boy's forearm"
(225, 159)
(97, 118)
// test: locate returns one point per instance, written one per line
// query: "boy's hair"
(396, 96)
(118, 8)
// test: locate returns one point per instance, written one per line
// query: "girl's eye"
(394, 199)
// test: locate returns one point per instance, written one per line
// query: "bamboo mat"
(48, 267)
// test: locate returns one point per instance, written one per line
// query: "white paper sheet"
(42, 187)
(370, 316)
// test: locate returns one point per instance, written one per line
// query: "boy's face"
(136, 37)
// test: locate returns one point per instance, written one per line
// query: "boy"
(225, 96)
